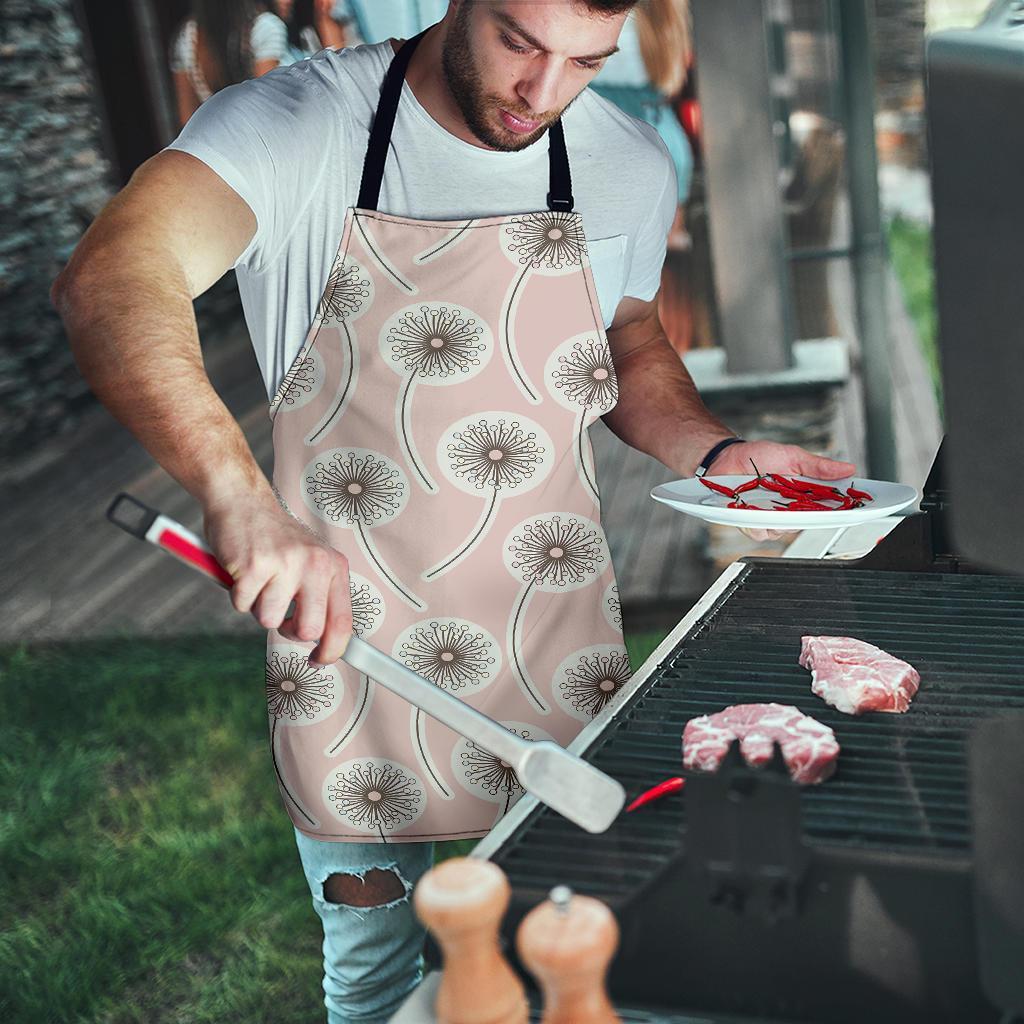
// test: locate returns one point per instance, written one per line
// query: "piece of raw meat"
(808, 747)
(855, 677)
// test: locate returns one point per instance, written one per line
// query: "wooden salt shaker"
(567, 942)
(462, 901)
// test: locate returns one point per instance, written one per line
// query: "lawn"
(149, 871)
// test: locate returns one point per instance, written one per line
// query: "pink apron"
(433, 428)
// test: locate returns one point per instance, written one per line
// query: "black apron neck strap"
(383, 122)
(559, 186)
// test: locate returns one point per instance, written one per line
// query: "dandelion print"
(551, 242)
(491, 457)
(554, 555)
(360, 489)
(300, 384)
(374, 795)
(612, 606)
(584, 379)
(588, 680)
(367, 616)
(348, 293)
(296, 690)
(435, 345)
(545, 243)
(489, 777)
(297, 694)
(455, 655)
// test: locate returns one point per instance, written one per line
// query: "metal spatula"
(564, 782)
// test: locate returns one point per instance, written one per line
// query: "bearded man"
(448, 251)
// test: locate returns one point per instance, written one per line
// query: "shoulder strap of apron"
(560, 184)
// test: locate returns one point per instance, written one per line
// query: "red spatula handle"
(147, 524)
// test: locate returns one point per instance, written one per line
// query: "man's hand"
(274, 558)
(771, 457)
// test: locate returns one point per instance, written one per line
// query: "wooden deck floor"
(70, 573)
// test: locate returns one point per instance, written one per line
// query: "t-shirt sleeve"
(652, 238)
(269, 139)
(269, 37)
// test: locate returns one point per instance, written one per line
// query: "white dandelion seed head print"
(612, 606)
(368, 605)
(490, 452)
(556, 552)
(489, 777)
(299, 693)
(590, 679)
(374, 795)
(580, 375)
(456, 655)
(348, 292)
(351, 487)
(302, 382)
(438, 343)
(550, 242)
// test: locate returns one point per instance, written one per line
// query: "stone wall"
(54, 178)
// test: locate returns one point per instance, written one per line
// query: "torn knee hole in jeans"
(373, 889)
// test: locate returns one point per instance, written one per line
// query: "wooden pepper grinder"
(462, 901)
(567, 942)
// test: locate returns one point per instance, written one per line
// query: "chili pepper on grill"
(719, 488)
(656, 792)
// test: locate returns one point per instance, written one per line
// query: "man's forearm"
(134, 337)
(659, 410)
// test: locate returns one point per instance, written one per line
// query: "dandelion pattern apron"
(433, 428)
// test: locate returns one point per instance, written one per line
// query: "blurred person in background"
(313, 25)
(221, 43)
(648, 73)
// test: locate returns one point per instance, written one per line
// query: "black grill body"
(843, 902)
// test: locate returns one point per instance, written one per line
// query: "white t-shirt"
(292, 143)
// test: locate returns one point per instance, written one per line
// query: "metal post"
(742, 173)
(867, 238)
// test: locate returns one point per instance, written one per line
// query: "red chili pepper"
(656, 792)
(862, 495)
(719, 488)
(809, 487)
(750, 485)
(806, 505)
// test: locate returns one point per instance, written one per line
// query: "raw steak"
(808, 747)
(855, 677)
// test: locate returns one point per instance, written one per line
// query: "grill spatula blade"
(563, 781)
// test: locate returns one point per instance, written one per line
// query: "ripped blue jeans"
(373, 956)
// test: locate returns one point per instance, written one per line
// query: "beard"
(478, 107)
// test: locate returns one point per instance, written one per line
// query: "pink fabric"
(433, 428)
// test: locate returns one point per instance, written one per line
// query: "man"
(434, 355)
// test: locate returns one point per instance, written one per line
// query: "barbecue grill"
(747, 896)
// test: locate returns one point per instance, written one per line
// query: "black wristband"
(705, 463)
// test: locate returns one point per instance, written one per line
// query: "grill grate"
(901, 784)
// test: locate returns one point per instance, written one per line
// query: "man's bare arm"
(659, 410)
(126, 301)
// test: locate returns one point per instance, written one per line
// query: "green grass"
(149, 871)
(910, 247)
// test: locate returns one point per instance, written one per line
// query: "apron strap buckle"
(560, 203)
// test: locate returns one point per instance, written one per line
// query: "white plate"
(693, 498)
